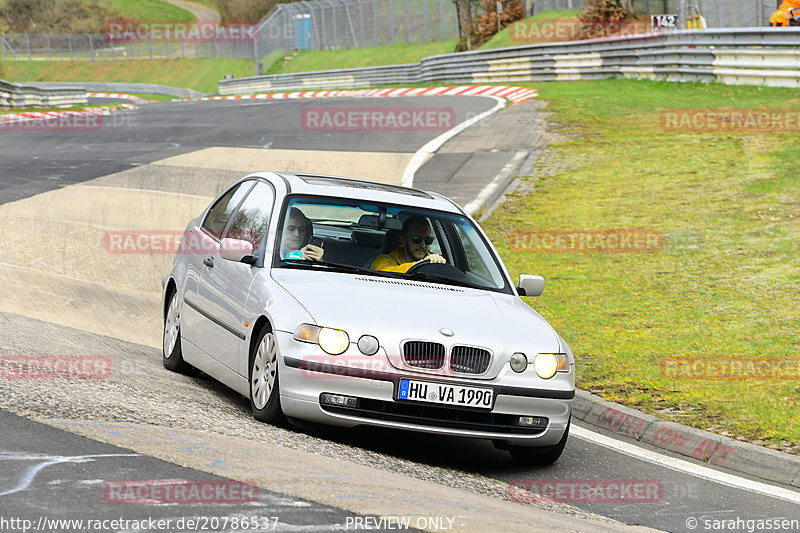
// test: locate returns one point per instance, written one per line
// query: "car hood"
(394, 310)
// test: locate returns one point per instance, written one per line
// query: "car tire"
(265, 397)
(171, 351)
(530, 456)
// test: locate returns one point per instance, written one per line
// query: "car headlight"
(333, 341)
(519, 362)
(547, 364)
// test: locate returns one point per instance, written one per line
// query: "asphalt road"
(59, 481)
(36, 161)
(143, 393)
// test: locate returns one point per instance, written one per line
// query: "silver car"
(348, 303)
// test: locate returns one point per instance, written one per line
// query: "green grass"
(517, 33)
(367, 57)
(151, 10)
(198, 74)
(726, 284)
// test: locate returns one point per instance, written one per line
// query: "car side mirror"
(236, 250)
(530, 285)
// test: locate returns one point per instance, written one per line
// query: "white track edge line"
(419, 157)
(679, 465)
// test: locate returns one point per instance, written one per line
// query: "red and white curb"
(49, 116)
(121, 96)
(516, 95)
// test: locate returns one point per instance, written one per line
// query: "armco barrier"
(119, 87)
(45, 95)
(753, 56)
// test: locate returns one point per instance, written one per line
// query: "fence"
(718, 13)
(99, 47)
(336, 24)
(752, 56)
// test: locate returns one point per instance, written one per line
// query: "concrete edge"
(718, 450)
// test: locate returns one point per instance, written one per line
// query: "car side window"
(252, 219)
(220, 212)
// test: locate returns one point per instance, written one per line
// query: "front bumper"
(302, 383)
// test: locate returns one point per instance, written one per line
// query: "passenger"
(296, 235)
(415, 241)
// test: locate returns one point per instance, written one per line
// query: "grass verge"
(198, 74)
(724, 287)
(151, 10)
(367, 57)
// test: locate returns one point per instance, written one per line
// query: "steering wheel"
(417, 266)
(440, 270)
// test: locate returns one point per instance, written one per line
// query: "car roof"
(326, 185)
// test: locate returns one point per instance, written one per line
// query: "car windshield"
(386, 240)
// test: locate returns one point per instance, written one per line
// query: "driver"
(415, 241)
(295, 239)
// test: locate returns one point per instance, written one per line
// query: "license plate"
(442, 393)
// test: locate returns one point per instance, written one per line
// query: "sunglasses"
(416, 239)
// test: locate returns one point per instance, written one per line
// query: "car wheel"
(264, 383)
(172, 355)
(530, 456)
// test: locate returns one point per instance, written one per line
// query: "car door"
(224, 285)
(200, 240)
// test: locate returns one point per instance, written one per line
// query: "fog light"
(532, 422)
(519, 362)
(368, 344)
(338, 400)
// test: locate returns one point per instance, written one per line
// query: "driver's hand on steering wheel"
(434, 258)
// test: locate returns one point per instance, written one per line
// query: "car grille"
(434, 416)
(469, 360)
(421, 354)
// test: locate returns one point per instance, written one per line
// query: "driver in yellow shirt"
(415, 242)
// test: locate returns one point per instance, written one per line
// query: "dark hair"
(415, 220)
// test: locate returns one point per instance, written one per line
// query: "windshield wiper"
(423, 276)
(328, 266)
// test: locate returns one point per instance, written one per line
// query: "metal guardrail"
(753, 56)
(121, 87)
(30, 94)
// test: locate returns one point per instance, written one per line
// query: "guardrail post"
(71, 54)
(49, 51)
(28, 40)
(113, 51)
(91, 47)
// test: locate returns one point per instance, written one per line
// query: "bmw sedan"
(349, 303)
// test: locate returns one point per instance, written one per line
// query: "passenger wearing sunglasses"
(415, 242)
